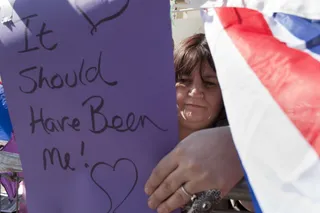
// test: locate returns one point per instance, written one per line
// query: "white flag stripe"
(306, 8)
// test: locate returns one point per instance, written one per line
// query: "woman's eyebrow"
(209, 76)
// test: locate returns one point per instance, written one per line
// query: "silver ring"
(192, 197)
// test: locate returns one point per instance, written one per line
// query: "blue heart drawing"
(112, 168)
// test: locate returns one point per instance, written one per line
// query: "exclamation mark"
(82, 152)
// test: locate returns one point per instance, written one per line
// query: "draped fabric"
(268, 67)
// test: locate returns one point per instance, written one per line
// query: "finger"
(178, 199)
(168, 187)
(160, 173)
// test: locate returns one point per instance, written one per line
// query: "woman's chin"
(195, 121)
(196, 124)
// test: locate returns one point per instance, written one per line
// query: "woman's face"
(199, 98)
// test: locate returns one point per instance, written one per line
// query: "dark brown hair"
(187, 55)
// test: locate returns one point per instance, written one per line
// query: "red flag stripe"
(292, 77)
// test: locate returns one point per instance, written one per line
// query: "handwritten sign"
(90, 90)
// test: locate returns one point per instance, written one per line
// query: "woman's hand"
(205, 160)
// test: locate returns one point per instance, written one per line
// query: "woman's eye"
(184, 80)
(208, 83)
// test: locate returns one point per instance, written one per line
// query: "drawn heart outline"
(108, 18)
(113, 167)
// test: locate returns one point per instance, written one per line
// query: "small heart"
(107, 18)
(106, 185)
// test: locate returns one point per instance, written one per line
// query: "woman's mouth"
(194, 106)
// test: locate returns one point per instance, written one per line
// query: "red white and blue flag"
(267, 55)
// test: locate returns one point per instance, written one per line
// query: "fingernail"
(147, 190)
(161, 210)
(150, 204)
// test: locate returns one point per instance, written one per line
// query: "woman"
(199, 98)
(200, 106)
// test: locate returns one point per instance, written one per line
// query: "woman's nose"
(196, 91)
